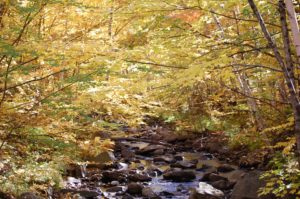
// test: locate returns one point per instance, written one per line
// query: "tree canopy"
(72, 68)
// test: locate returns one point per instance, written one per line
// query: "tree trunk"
(286, 65)
(294, 25)
(295, 30)
(290, 69)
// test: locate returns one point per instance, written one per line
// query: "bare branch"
(32, 80)
(154, 64)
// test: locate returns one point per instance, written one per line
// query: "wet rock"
(248, 186)
(163, 159)
(126, 153)
(225, 168)
(28, 195)
(214, 163)
(180, 188)
(178, 157)
(155, 171)
(83, 193)
(114, 183)
(212, 177)
(95, 178)
(135, 188)
(208, 156)
(109, 176)
(222, 184)
(180, 176)
(206, 191)
(184, 165)
(167, 194)
(147, 192)
(88, 193)
(139, 178)
(127, 196)
(148, 150)
(159, 152)
(114, 189)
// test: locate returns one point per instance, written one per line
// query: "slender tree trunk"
(2, 12)
(246, 89)
(111, 22)
(110, 32)
(218, 24)
(258, 120)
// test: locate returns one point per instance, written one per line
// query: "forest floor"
(154, 162)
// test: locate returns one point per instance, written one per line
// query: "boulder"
(126, 153)
(139, 178)
(179, 176)
(222, 184)
(212, 177)
(159, 152)
(247, 187)
(155, 171)
(114, 189)
(135, 189)
(206, 191)
(114, 183)
(148, 193)
(109, 176)
(225, 168)
(233, 176)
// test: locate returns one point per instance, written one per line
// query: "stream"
(140, 169)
